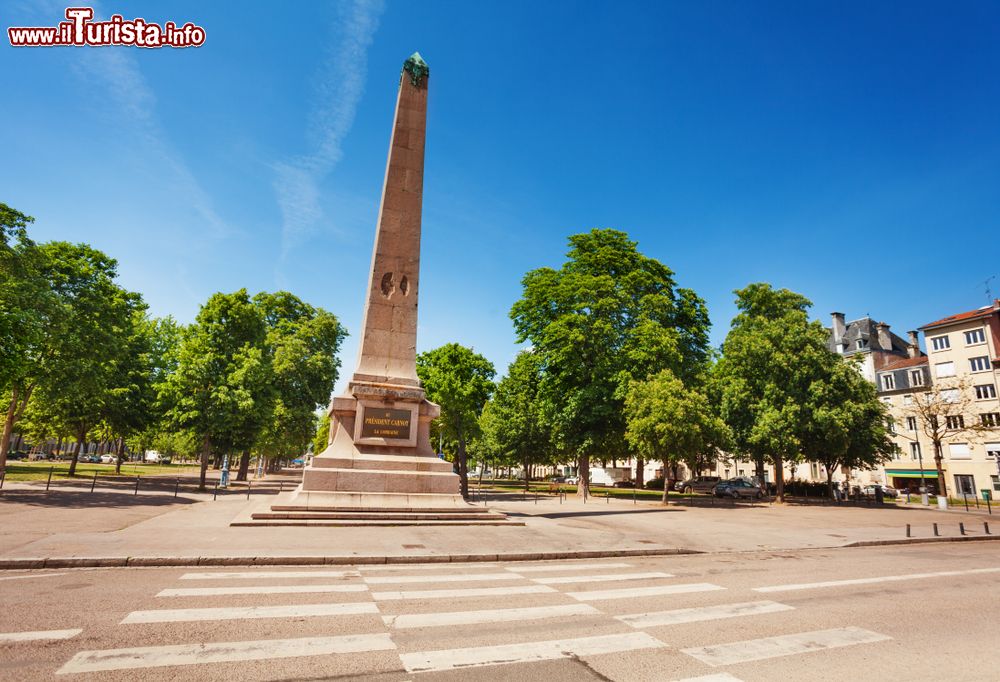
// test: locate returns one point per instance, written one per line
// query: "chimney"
(913, 349)
(884, 340)
(839, 329)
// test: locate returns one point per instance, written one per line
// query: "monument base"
(379, 468)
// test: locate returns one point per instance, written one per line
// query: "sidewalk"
(155, 529)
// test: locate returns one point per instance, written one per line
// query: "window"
(862, 344)
(945, 369)
(914, 450)
(986, 391)
(965, 484)
(907, 399)
(959, 451)
(940, 343)
(955, 422)
(974, 336)
(990, 419)
(996, 482)
(916, 377)
(890, 424)
(911, 423)
(993, 449)
(980, 364)
(888, 382)
(949, 395)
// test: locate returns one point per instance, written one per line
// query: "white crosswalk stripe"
(872, 581)
(267, 575)
(703, 613)
(450, 659)
(557, 567)
(426, 620)
(251, 612)
(264, 589)
(613, 577)
(633, 592)
(455, 594)
(36, 635)
(784, 645)
(450, 578)
(223, 652)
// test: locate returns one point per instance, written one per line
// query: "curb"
(920, 541)
(123, 562)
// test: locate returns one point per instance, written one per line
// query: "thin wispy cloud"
(340, 85)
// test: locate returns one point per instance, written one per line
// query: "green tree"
(303, 343)
(322, 437)
(460, 381)
(219, 390)
(771, 358)
(670, 422)
(608, 316)
(91, 321)
(513, 422)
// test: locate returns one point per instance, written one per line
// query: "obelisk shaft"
(389, 341)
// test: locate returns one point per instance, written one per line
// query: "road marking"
(450, 578)
(223, 652)
(471, 592)
(676, 616)
(784, 645)
(869, 581)
(565, 567)
(38, 634)
(629, 593)
(263, 589)
(427, 620)
(239, 613)
(718, 677)
(31, 575)
(433, 566)
(599, 578)
(450, 659)
(252, 575)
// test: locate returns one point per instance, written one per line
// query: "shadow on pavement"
(78, 499)
(608, 512)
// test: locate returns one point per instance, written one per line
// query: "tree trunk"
(666, 482)
(829, 483)
(76, 455)
(779, 477)
(938, 458)
(463, 468)
(640, 473)
(583, 486)
(241, 475)
(527, 474)
(8, 427)
(759, 462)
(206, 451)
(119, 456)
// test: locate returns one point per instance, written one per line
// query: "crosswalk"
(435, 619)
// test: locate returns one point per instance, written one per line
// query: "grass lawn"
(543, 487)
(39, 471)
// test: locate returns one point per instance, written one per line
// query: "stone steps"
(382, 515)
(374, 522)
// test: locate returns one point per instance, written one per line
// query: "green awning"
(911, 473)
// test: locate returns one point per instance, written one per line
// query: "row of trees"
(619, 365)
(81, 356)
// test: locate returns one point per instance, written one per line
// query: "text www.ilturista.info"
(80, 30)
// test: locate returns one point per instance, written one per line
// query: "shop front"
(905, 480)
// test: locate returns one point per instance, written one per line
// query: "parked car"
(108, 459)
(698, 484)
(557, 479)
(624, 484)
(888, 491)
(572, 480)
(737, 488)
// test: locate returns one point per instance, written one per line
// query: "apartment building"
(948, 399)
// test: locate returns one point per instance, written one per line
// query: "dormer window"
(862, 344)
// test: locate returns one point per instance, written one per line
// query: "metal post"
(94, 484)
(961, 528)
(965, 496)
(177, 485)
(136, 486)
(986, 528)
(249, 482)
(936, 530)
(607, 495)
(633, 495)
(3, 475)
(907, 530)
(536, 497)
(215, 492)
(281, 487)
(49, 482)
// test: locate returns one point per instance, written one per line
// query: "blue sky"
(846, 150)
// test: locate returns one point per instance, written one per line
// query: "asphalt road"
(924, 612)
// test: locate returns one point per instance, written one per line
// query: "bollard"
(177, 485)
(249, 482)
(633, 495)
(989, 507)
(961, 528)
(94, 484)
(908, 530)
(215, 493)
(965, 496)
(986, 528)
(49, 482)
(136, 486)
(281, 487)
(607, 495)
(936, 530)
(3, 475)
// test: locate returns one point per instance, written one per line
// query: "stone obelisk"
(379, 456)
